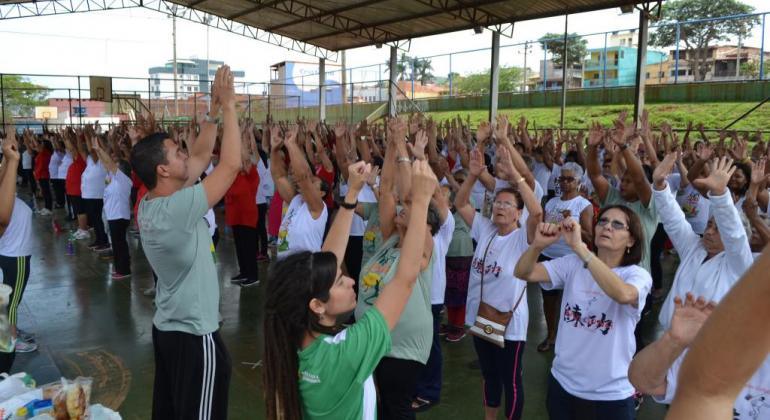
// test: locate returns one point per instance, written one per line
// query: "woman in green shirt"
(313, 369)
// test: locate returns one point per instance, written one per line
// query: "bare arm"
(201, 152)
(303, 174)
(222, 177)
(337, 239)
(9, 167)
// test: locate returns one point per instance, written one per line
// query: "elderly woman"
(602, 302)
(711, 265)
(491, 283)
(569, 204)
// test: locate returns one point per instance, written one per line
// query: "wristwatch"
(208, 118)
(348, 206)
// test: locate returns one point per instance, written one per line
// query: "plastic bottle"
(71, 244)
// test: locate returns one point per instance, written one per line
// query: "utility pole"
(173, 38)
(524, 83)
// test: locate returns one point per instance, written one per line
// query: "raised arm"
(462, 199)
(528, 269)
(223, 175)
(506, 168)
(337, 239)
(386, 202)
(110, 165)
(720, 362)
(674, 222)
(10, 165)
(303, 174)
(394, 296)
(593, 166)
(278, 169)
(623, 135)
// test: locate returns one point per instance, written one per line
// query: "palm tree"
(401, 66)
(423, 69)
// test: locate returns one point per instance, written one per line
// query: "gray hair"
(576, 169)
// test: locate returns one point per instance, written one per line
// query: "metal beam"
(468, 12)
(260, 5)
(564, 66)
(494, 77)
(392, 82)
(641, 61)
(321, 89)
(322, 14)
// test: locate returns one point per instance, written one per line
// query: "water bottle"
(56, 227)
(7, 343)
(71, 244)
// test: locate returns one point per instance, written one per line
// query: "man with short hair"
(192, 365)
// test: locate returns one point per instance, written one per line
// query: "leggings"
(45, 187)
(656, 249)
(58, 192)
(121, 256)
(245, 238)
(562, 405)
(353, 255)
(396, 383)
(93, 207)
(262, 229)
(501, 371)
(15, 274)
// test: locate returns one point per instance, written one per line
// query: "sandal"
(421, 404)
(545, 346)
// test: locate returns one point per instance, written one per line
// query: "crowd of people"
(380, 231)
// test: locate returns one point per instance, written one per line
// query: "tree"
(576, 48)
(751, 68)
(698, 37)
(422, 70)
(402, 65)
(21, 96)
(478, 83)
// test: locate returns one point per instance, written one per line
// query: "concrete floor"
(89, 325)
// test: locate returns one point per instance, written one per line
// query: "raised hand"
(476, 162)
(501, 127)
(689, 317)
(505, 168)
(595, 134)
(224, 87)
(663, 170)
(373, 174)
(721, 171)
(546, 234)
(291, 135)
(570, 231)
(358, 173)
(483, 132)
(758, 172)
(11, 144)
(420, 141)
(424, 181)
(276, 137)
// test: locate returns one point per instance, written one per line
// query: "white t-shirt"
(695, 207)
(117, 196)
(92, 182)
(596, 341)
(54, 163)
(753, 402)
(358, 226)
(541, 173)
(66, 162)
(16, 241)
(478, 193)
(555, 211)
(26, 160)
(299, 231)
(211, 221)
(441, 241)
(266, 186)
(501, 288)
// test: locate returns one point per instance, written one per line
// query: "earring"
(628, 250)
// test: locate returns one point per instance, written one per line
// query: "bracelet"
(520, 180)
(348, 206)
(402, 159)
(624, 146)
(588, 260)
(208, 118)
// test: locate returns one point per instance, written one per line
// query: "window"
(647, 75)
(79, 111)
(596, 76)
(622, 53)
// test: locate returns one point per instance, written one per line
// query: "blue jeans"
(565, 406)
(429, 385)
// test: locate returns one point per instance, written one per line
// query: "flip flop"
(421, 404)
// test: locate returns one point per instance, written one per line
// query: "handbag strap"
(484, 269)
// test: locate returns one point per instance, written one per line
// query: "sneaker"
(44, 212)
(81, 234)
(119, 276)
(150, 291)
(102, 248)
(92, 246)
(25, 336)
(455, 336)
(24, 347)
(238, 278)
(249, 283)
(444, 329)
(263, 257)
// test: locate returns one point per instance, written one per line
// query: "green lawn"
(712, 115)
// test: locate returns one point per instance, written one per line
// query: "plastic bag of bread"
(70, 398)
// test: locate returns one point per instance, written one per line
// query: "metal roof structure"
(322, 27)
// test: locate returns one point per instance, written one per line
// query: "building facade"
(193, 76)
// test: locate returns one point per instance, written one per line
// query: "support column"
(641, 61)
(393, 82)
(2, 98)
(321, 89)
(564, 69)
(494, 76)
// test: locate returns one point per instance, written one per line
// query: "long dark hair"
(634, 254)
(291, 284)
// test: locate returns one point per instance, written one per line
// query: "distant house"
(193, 76)
(553, 77)
(615, 66)
(722, 63)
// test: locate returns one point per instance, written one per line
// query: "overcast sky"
(128, 42)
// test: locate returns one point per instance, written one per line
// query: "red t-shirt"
(42, 160)
(240, 199)
(74, 173)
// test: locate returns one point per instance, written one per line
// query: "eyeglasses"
(566, 178)
(617, 225)
(502, 204)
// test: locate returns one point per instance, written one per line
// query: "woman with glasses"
(491, 282)
(569, 204)
(602, 301)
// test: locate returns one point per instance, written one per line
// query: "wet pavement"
(90, 325)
